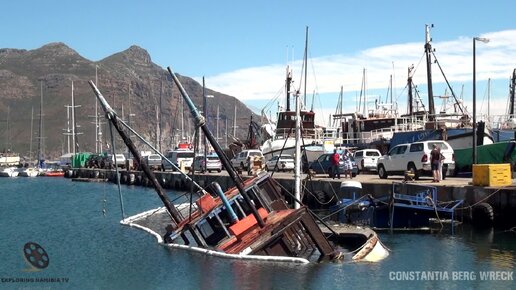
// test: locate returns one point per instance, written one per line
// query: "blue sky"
(242, 47)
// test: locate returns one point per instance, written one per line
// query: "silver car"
(212, 163)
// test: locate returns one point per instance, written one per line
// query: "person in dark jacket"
(435, 160)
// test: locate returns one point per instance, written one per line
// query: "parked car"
(180, 157)
(323, 165)
(153, 161)
(212, 163)
(242, 160)
(367, 159)
(415, 157)
(280, 163)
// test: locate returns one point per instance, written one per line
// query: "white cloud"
(326, 74)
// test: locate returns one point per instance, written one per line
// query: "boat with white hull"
(9, 172)
(28, 172)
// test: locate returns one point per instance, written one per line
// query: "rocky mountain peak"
(137, 54)
(58, 49)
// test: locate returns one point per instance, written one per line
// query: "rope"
(116, 171)
(482, 200)
(159, 153)
(435, 209)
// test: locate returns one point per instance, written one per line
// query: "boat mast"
(113, 118)
(181, 108)
(74, 131)
(217, 124)
(8, 132)
(234, 121)
(297, 163)
(31, 133)
(67, 129)
(338, 110)
(40, 134)
(306, 62)
(410, 95)
(428, 52)
(512, 90)
(363, 93)
(488, 98)
(201, 122)
(287, 88)
(160, 114)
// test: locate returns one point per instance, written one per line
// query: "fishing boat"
(408, 206)
(451, 123)
(249, 221)
(315, 139)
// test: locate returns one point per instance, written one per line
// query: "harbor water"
(77, 224)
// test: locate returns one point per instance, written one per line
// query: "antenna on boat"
(200, 121)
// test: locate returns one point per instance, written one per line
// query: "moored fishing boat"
(316, 140)
(249, 221)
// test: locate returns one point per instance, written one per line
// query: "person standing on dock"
(335, 160)
(435, 161)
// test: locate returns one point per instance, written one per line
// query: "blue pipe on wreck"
(232, 215)
(201, 122)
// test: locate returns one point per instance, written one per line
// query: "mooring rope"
(435, 209)
(116, 171)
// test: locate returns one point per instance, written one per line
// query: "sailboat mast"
(157, 128)
(67, 128)
(428, 52)
(40, 134)
(74, 141)
(217, 120)
(338, 110)
(182, 121)
(31, 133)
(8, 131)
(234, 122)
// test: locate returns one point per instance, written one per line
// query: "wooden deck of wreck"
(502, 199)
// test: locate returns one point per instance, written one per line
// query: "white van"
(180, 158)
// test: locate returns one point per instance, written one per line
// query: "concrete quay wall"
(502, 199)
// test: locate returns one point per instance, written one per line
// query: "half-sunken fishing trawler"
(250, 221)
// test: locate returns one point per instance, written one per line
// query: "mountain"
(129, 80)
